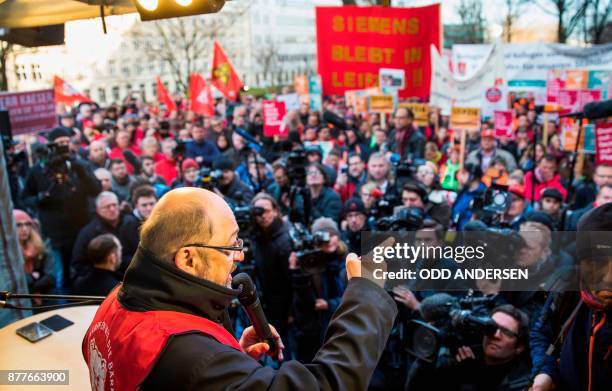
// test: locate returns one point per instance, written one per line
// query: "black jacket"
(355, 339)
(62, 206)
(98, 282)
(271, 251)
(126, 231)
(237, 192)
(411, 146)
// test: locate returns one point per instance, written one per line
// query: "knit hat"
(57, 133)
(223, 162)
(325, 224)
(542, 218)
(354, 205)
(593, 237)
(551, 192)
(20, 216)
(189, 163)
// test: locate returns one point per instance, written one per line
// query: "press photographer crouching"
(498, 363)
(319, 280)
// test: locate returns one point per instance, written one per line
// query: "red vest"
(121, 347)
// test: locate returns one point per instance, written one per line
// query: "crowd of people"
(303, 202)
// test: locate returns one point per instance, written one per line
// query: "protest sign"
(300, 83)
(391, 78)
(589, 139)
(568, 100)
(292, 101)
(353, 43)
(603, 142)
(527, 64)
(600, 80)
(30, 111)
(420, 111)
(381, 104)
(315, 90)
(588, 96)
(467, 118)
(273, 115)
(485, 89)
(503, 124)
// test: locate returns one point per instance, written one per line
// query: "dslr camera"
(307, 247)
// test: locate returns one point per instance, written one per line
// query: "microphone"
(251, 141)
(250, 302)
(593, 111)
(437, 307)
(334, 119)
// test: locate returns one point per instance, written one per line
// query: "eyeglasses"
(239, 247)
(313, 173)
(508, 333)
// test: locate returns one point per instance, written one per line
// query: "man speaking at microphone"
(166, 327)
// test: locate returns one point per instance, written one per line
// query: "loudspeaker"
(5, 129)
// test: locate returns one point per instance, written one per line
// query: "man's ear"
(184, 260)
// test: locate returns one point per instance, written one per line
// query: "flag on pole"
(65, 93)
(200, 96)
(163, 97)
(224, 76)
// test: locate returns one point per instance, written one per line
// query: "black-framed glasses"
(507, 332)
(238, 247)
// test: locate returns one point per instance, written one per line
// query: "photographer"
(470, 180)
(356, 221)
(230, 186)
(317, 291)
(271, 250)
(498, 365)
(58, 186)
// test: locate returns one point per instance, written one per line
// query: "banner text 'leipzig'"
(353, 43)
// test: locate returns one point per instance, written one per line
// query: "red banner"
(503, 124)
(224, 76)
(67, 94)
(568, 100)
(200, 96)
(588, 96)
(603, 142)
(273, 114)
(353, 43)
(30, 111)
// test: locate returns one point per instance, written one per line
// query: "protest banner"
(527, 64)
(600, 80)
(30, 111)
(353, 43)
(503, 124)
(589, 139)
(315, 91)
(603, 143)
(420, 111)
(485, 89)
(391, 78)
(568, 100)
(467, 118)
(569, 135)
(555, 82)
(273, 115)
(292, 101)
(381, 104)
(588, 96)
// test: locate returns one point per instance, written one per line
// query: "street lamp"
(163, 9)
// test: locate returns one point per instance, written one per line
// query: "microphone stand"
(5, 296)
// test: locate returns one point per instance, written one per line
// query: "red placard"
(568, 100)
(30, 111)
(588, 96)
(353, 43)
(503, 124)
(273, 114)
(603, 142)
(554, 84)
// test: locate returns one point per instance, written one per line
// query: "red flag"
(65, 93)
(224, 76)
(163, 97)
(200, 96)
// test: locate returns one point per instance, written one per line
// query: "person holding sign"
(405, 139)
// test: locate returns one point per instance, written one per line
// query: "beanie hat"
(223, 162)
(57, 133)
(189, 163)
(325, 224)
(354, 205)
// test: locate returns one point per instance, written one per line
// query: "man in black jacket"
(406, 140)
(108, 220)
(230, 186)
(58, 187)
(183, 265)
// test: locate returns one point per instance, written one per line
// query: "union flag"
(163, 97)
(200, 96)
(224, 77)
(65, 93)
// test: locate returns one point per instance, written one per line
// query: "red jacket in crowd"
(555, 183)
(166, 169)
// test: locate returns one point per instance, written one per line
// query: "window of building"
(115, 94)
(102, 95)
(154, 89)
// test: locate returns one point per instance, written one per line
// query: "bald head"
(187, 215)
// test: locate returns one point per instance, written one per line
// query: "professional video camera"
(56, 158)
(492, 204)
(406, 219)
(297, 161)
(404, 170)
(307, 247)
(384, 207)
(208, 179)
(456, 323)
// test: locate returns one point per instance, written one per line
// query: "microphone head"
(247, 294)
(437, 307)
(597, 110)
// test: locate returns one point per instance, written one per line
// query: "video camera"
(208, 179)
(406, 219)
(492, 203)
(456, 323)
(307, 247)
(56, 157)
(297, 161)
